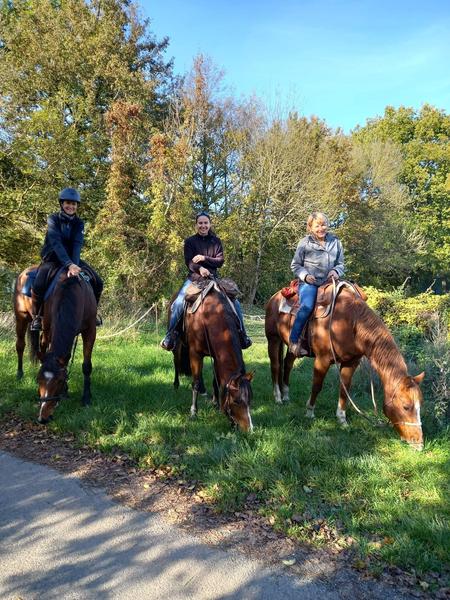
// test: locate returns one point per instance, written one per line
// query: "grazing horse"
(212, 330)
(350, 331)
(70, 310)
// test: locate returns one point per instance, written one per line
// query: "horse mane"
(231, 321)
(378, 342)
(65, 316)
(50, 363)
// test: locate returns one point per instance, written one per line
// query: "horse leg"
(88, 344)
(196, 368)
(320, 370)
(21, 328)
(288, 364)
(347, 369)
(216, 397)
(275, 349)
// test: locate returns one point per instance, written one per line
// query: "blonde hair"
(316, 216)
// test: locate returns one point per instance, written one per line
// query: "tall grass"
(362, 482)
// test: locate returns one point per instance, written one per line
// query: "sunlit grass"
(362, 481)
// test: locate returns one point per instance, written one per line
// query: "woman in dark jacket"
(62, 248)
(203, 255)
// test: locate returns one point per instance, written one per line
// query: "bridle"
(58, 397)
(391, 402)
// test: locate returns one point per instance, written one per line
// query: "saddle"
(27, 287)
(290, 304)
(197, 291)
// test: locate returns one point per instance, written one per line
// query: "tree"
(62, 66)
(423, 138)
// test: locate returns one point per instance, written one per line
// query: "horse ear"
(419, 378)
(249, 376)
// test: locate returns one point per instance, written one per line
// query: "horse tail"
(181, 359)
(34, 342)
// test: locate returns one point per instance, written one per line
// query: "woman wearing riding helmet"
(62, 247)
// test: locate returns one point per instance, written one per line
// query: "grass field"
(363, 483)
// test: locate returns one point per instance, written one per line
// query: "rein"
(344, 387)
(209, 349)
(226, 404)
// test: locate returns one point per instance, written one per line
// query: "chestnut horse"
(212, 330)
(351, 330)
(70, 310)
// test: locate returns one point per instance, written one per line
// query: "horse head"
(236, 400)
(403, 410)
(52, 381)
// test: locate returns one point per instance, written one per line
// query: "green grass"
(361, 482)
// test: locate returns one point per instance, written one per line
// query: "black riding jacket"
(210, 247)
(63, 240)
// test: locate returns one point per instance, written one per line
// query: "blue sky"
(343, 61)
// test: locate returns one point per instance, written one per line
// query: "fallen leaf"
(307, 489)
(289, 562)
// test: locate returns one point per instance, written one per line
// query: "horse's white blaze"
(249, 419)
(417, 405)
(48, 375)
(277, 394)
(285, 393)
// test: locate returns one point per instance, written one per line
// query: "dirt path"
(181, 504)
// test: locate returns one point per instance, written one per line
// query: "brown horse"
(70, 310)
(212, 330)
(22, 312)
(355, 331)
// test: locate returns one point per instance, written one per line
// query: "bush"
(419, 311)
(436, 385)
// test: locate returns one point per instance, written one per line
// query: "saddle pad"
(287, 307)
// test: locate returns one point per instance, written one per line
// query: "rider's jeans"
(177, 305)
(307, 295)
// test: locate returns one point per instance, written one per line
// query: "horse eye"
(407, 407)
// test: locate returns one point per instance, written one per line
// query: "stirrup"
(36, 323)
(297, 349)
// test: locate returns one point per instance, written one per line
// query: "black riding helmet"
(69, 194)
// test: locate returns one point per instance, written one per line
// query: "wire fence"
(142, 320)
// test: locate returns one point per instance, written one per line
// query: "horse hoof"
(19, 375)
(343, 424)
(278, 401)
(42, 421)
(193, 416)
(285, 399)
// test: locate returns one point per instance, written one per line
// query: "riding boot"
(170, 340)
(246, 342)
(36, 307)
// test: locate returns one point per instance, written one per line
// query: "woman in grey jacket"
(319, 256)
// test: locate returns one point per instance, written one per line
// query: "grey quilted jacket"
(311, 258)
